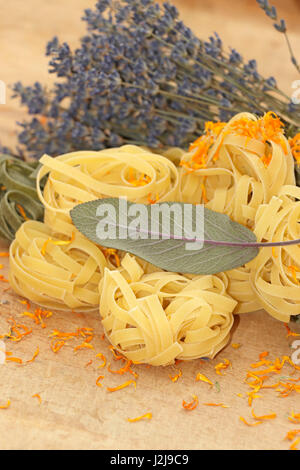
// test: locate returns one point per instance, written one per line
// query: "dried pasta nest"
(237, 172)
(159, 317)
(129, 171)
(275, 273)
(240, 288)
(55, 272)
(272, 280)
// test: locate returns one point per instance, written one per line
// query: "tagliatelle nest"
(272, 280)
(159, 317)
(129, 171)
(55, 272)
(275, 273)
(237, 166)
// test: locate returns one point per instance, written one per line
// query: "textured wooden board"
(75, 413)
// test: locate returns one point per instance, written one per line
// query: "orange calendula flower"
(38, 315)
(101, 356)
(295, 417)
(139, 418)
(112, 252)
(263, 355)
(22, 212)
(192, 405)
(222, 366)
(266, 159)
(251, 397)
(84, 332)
(83, 345)
(267, 128)
(142, 180)
(56, 345)
(5, 407)
(25, 302)
(98, 381)
(117, 356)
(132, 372)
(151, 200)
(37, 352)
(4, 254)
(200, 148)
(203, 378)
(38, 397)
(295, 444)
(204, 194)
(295, 147)
(124, 385)
(261, 418)
(249, 424)
(291, 435)
(290, 332)
(15, 334)
(56, 242)
(294, 270)
(216, 404)
(175, 377)
(122, 370)
(17, 360)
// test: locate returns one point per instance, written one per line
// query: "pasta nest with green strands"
(18, 196)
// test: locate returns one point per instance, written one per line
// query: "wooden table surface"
(74, 412)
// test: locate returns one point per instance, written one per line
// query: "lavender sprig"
(280, 26)
(141, 76)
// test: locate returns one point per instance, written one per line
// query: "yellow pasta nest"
(275, 273)
(54, 272)
(272, 280)
(235, 167)
(159, 317)
(129, 171)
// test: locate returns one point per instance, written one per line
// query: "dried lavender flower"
(280, 26)
(141, 76)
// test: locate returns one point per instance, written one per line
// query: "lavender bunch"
(141, 76)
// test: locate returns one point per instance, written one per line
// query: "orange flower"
(203, 378)
(145, 416)
(120, 387)
(192, 405)
(5, 407)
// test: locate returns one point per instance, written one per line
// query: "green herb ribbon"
(18, 195)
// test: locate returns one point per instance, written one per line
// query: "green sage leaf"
(167, 253)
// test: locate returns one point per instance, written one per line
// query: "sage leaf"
(170, 253)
